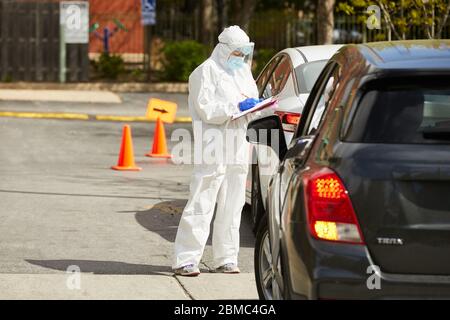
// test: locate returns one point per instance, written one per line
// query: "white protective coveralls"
(215, 91)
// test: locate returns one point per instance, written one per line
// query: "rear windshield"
(404, 114)
(308, 73)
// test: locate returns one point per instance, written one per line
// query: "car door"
(277, 82)
(279, 77)
(264, 76)
(289, 103)
(297, 152)
(301, 144)
(261, 83)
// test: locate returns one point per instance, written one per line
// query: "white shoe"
(189, 270)
(227, 268)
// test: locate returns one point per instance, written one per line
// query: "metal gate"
(29, 43)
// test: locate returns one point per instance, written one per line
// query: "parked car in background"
(347, 36)
(288, 77)
(359, 206)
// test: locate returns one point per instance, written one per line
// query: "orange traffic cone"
(159, 149)
(126, 155)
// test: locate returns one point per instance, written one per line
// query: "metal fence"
(29, 44)
(29, 36)
(276, 30)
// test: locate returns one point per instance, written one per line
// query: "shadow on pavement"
(103, 267)
(77, 194)
(164, 217)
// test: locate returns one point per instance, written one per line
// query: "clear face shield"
(240, 56)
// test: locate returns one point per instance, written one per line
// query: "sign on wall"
(74, 18)
(148, 12)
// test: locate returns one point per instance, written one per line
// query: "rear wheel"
(268, 288)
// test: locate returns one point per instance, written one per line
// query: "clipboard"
(259, 106)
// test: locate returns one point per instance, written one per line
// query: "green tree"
(400, 16)
(207, 21)
(242, 11)
(217, 14)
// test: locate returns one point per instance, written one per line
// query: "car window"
(322, 101)
(265, 74)
(278, 78)
(417, 112)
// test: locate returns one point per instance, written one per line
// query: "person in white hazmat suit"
(220, 87)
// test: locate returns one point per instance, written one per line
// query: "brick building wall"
(128, 12)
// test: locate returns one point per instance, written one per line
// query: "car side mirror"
(268, 131)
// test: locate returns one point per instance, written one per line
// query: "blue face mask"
(235, 63)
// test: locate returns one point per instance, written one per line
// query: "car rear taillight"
(289, 120)
(329, 209)
(292, 118)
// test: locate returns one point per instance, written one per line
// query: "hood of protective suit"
(230, 39)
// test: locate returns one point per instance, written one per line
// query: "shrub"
(8, 78)
(109, 66)
(181, 58)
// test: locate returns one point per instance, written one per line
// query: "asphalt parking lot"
(63, 206)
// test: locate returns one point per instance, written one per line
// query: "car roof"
(300, 55)
(319, 52)
(409, 54)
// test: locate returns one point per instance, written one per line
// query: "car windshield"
(308, 73)
(418, 113)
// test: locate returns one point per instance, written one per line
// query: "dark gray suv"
(360, 204)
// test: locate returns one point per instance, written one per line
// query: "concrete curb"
(214, 286)
(162, 87)
(83, 116)
(92, 287)
(81, 96)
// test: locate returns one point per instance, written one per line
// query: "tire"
(256, 207)
(265, 281)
